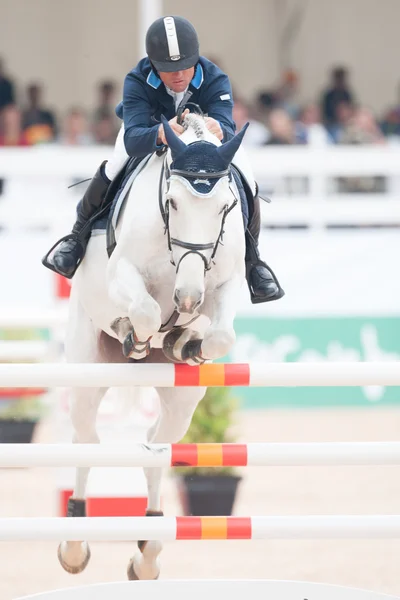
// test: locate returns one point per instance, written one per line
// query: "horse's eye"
(172, 203)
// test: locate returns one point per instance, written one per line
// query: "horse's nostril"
(197, 304)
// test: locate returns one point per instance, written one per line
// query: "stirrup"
(46, 262)
(253, 298)
(256, 300)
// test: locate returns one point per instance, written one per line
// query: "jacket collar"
(153, 80)
(198, 77)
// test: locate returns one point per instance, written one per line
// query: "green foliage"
(18, 409)
(30, 407)
(212, 422)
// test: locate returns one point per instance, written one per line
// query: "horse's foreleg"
(220, 335)
(176, 410)
(74, 556)
(128, 291)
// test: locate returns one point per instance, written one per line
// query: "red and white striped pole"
(254, 454)
(200, 528)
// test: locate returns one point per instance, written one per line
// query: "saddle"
(117, 193)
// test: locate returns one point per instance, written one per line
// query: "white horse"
(168, 261)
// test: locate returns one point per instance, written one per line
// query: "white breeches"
(120, 156)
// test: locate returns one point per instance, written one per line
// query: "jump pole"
(199, 528)
(199, 455)
(216, 374)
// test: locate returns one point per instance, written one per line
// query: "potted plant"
(20, 409)
(18, 419)
(210, 490)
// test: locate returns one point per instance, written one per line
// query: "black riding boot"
(262, 282)
(68, 256)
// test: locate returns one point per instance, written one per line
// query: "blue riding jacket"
(145, 99)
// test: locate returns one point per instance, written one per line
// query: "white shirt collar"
(177, 96)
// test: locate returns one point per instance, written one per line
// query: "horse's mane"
(196, 130)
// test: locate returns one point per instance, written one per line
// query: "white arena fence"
(37, 178)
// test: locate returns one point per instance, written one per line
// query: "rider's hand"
(214, 127)
(178, 129)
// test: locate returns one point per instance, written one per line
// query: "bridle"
(193, 248)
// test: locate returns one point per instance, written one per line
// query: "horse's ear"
(176, 145)
(228, 150)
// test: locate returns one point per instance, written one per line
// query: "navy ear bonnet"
(200, 157)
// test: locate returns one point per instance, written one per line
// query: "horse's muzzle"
(187, 302)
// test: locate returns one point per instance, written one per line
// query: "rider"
(155, 87)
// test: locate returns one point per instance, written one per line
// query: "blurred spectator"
(76, 129)
(391, 121)
(105, 131)
(338, 93)
(257, 134)
(309, 128)
(266, 101)
(11, 129)
(343, 114)
(282, 132)
(105, 109)
(106, 101)
(262, 107)
(7, 92)
(285, 94)
(361, 128)
(38, 123)
(281, 128)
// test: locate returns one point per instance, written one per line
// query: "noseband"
(191, 247)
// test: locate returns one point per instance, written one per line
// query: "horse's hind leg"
(81, 346)
(74, 556)
(177, 406)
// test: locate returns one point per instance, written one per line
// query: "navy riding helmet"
(172, 44)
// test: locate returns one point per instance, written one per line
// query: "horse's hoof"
(149, 572)
(191, 352)
(169, 346)
(182, 345)
(132, 348)
(76, 568)
(131, 572)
